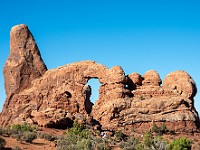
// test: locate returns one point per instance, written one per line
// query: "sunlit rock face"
(54, 98)
(24, 63)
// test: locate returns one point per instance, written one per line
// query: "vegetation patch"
(78, 137)
(2, 143)
(180, 144)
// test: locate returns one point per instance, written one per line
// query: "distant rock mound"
(54, 98)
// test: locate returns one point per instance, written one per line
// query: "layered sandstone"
(54, 98)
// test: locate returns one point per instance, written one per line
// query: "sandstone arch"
(49, 91)
(54, 98)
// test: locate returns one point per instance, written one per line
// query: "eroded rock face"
(60, 93)
(24, 63)
(56, 97)
(151, 78)
(180, 82)
(152, 104)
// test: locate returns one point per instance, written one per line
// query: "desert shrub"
(21, 128)
(61, 144)
(15, 128)
(152, 143)
(2, 143)
(159, 143)
(82, 144)
(180, 144)
(101, 144)
(17, 136)
(130, 144)
(147, 140)
(79, 138)
(48, 137)
(22, 132)
(119, 136)
(155, 128)
(159, 130)
(5, 132)
(77, 132)
(28, 136)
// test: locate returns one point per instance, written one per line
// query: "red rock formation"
(54, 98)
(181, 83)
(151, 78)
(23, 65)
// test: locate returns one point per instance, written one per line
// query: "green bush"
(62, 144)
(151, 143)
(28, 136)
(17, 136)
(159, 143)
(155, 128)
(77, 132)
(82, 144)
(22, 128)
(79, 138)
(130, 144)
(5, 132)
(2, 143)
(22, 132)
(119, 136)
(48, 137)
(147, 140)
(180, 144)
(101, 144)
(159, 130)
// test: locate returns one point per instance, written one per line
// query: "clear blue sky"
(138, 35)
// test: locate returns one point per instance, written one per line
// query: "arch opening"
(95, 85)
(91, 93)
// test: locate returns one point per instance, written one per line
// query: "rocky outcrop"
(152, 104)
(60, 92)
(54, 98)
(180, 82)
(151, 78)
(24, 63)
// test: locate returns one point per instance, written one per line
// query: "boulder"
(181, 83)
(152, 78)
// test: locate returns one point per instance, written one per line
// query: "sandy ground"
(37, 144)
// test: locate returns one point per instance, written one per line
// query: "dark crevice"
(63, 123)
